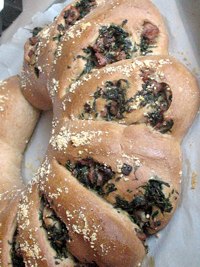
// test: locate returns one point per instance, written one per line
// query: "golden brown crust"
(53, 68)
(115, 14)
(32, 237)
(34, 77)
(98, 233)
(148, 152)
(8, 225)
(18, 119)
(162, 69)
(16, 113)
(154, 158)
(39, 54)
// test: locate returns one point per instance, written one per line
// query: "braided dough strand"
(41, 77)
(18, 120)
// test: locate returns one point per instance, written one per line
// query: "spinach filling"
(155, 97)
(16, 256)
(37, 72)
(145, 46)
(36, 30)
(74, 14)
(84, 7)
(33, 41)
(57, 234)
(151, 201)
(113, 44)
(55, 229)
(143, 209)
(148, 38)
(92, 175)
(114, 95)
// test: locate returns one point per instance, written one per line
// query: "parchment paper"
(178, 245)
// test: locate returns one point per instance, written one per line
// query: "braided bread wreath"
(111, 175)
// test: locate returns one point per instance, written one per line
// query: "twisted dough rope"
(93, 231)
(93, 165)
(44, 67)
(18, 119)
(82, 211)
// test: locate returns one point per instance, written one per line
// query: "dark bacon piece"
(101, 59)
(71, 16)
(33, 40)
(91, 173)
(113, 44)
(150, 32)
(77, 12)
